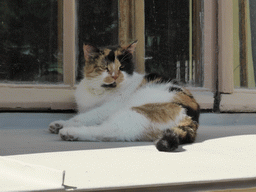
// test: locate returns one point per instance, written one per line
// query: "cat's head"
(111, 65)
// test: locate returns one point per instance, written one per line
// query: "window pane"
(245, 43)
(31, 41)
(97, 24)
(170, 40)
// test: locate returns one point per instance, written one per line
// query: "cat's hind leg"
(185, 132)
(175, 126)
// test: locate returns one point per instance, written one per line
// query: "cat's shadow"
(214, 126)
(179, 149)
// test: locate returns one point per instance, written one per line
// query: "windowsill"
(203, 96)
(244, 90)
(36, 86)
(211, 163)
(242, 100)
(37, 97)
(61, 97)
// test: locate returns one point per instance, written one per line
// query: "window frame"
(230, 99)
(46, 97)
(217, 55)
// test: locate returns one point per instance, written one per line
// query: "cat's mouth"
(112, 85)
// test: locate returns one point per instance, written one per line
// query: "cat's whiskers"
(125, 57)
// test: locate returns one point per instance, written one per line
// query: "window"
(97, 24)
(173, 40)
(251, 6)
(31, 41)
(34, 71)
(197, 42)
(234, 57)
(244, 48)
(167, 38)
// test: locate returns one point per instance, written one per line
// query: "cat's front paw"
(67, 135)
(55, 126)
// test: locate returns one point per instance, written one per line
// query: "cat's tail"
(185, 132)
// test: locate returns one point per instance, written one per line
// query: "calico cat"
(117, 104)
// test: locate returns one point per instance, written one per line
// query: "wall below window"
(37, 99)
(62, 98)
(41, 98)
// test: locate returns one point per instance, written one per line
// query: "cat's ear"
(131, 48)
(90, 51)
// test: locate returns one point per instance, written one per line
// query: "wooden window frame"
(132, 27)
(61, 97)
(217, 55)
(47, 97)
(231, 99)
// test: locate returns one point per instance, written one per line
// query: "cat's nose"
(115, 77)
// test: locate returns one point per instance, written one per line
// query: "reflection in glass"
(97, 24)
(30, 41)
(245, 43)
(252, 4)
(168, 30)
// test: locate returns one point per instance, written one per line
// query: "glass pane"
(97, 24)
(170, 40)
(31, 41)
(245, 43)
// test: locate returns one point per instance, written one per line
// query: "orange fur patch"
(159, 112)
(109, 79)
(145, 82)
(92, 71)
(186, 100)
(186, 129)
(114, 73)
(150, 134)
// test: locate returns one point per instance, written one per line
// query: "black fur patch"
(168, 142)
(113, 85)
(194, 114)
(126, 61)
(189, 138)
(177, 89)
(154, 76)
(94, 51)
(111, 56)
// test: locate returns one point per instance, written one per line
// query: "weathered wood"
(243, 44)
(60, 36)
(131, 27)
(197, 42)
(126, 21)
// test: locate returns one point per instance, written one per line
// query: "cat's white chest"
(87, 98)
